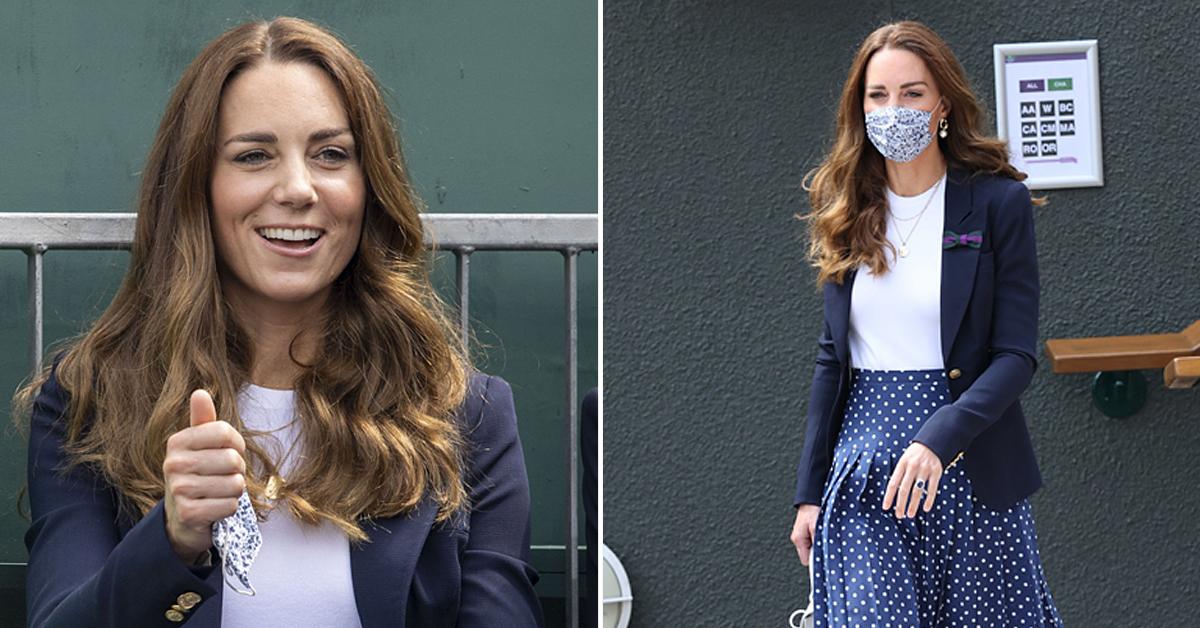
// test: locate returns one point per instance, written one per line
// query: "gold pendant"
(273, 485)
(903, 251)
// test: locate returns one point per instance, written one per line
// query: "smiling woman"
(287, 202)
(275, 380)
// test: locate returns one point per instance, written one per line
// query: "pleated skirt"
(960, 564)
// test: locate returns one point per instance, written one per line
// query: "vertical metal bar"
(34, 285)
(571, 255)
(463, 257)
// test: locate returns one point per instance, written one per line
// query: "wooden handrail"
(1182, 372)
(1124, 353)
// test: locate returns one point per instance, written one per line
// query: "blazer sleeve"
(1013, 343)
(497, 579)
(81, 572)
(814, 465)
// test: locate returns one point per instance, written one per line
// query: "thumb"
(202, 411)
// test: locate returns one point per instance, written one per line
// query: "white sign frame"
(1039, 179)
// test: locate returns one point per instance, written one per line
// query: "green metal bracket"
(1119, 394)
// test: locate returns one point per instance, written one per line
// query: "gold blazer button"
(189, 600)
(955, 373)
(174, 615)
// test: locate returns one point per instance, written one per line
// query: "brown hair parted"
(847, 192)
(376, 405)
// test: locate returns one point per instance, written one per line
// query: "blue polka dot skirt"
(960, 564)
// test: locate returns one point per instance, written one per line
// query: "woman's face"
(899, 78)
(287, 189)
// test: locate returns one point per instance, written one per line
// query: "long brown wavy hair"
(848, 222)
(376, 405)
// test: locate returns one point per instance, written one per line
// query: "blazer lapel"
(837, 302)
(382, 570)
(958, 263)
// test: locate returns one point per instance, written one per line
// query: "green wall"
(497, 110)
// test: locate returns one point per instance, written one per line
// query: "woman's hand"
(203, 475)
(918, 463)
(804, 530)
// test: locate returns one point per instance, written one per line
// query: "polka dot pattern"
(961, 564)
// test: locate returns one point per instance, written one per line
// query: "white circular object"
(615, 591)
(801, 618)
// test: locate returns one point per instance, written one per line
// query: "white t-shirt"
(895, 319)
(301, 576)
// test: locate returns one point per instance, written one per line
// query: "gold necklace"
(275, 483)
(903, 248)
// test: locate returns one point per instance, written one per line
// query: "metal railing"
(569, 234)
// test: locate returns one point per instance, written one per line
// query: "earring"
(943, 128)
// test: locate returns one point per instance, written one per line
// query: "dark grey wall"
(713, 112)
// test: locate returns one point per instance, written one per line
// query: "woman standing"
(276, 377)
(917, 464)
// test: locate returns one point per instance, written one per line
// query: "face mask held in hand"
(238, 539)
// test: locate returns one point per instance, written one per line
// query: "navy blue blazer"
(989, 329)
(88, 567)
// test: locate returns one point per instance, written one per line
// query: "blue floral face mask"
(238, 539)
(899, 133)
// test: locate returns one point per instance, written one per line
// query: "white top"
(895, 319)
(301, 575)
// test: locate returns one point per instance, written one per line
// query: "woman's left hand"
(918, 463)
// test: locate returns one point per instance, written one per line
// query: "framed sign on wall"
(1048, 110)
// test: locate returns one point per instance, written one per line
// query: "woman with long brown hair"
(922, 236)
(275, 389)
